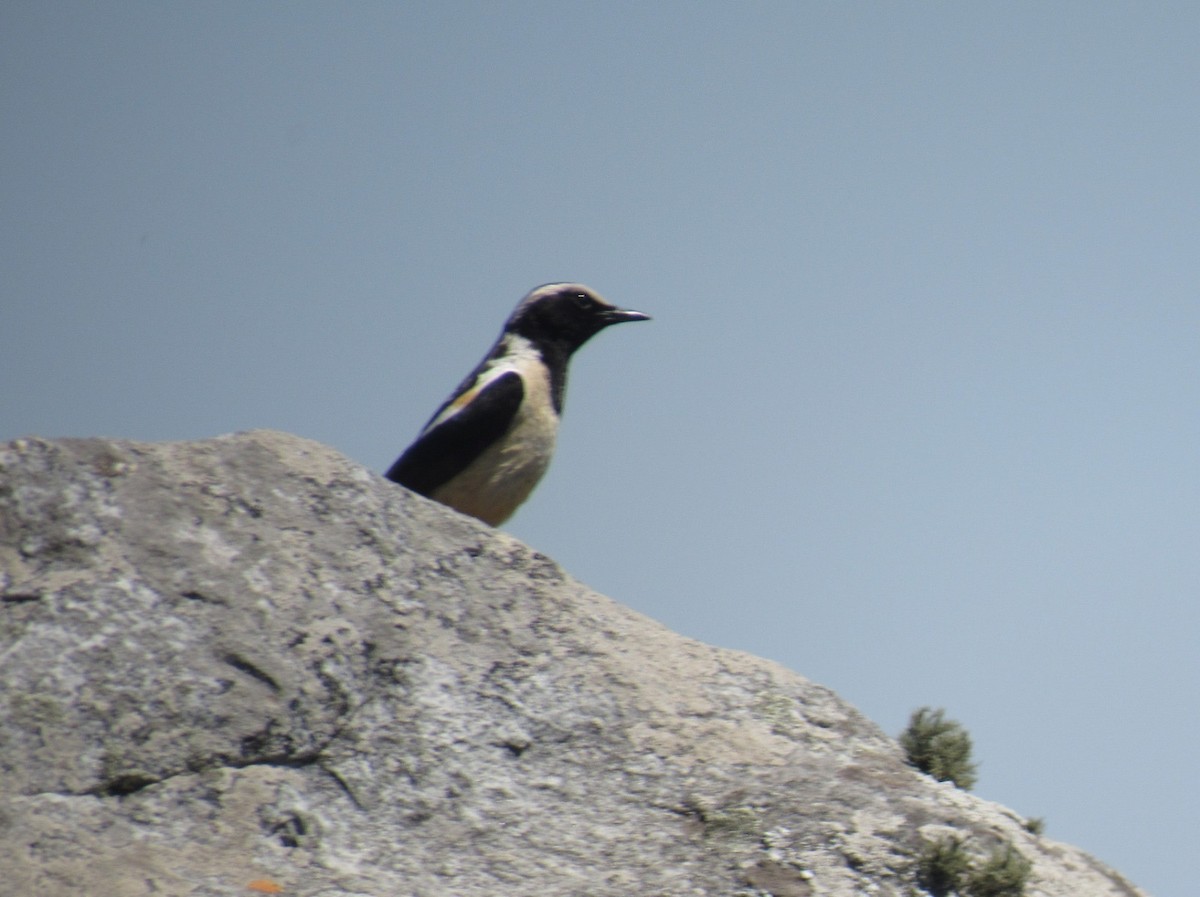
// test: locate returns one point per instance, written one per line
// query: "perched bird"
(486, 448)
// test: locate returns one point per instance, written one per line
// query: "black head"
(564, 316)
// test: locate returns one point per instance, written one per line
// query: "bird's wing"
(459, 433)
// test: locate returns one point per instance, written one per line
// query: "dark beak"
(620, 315)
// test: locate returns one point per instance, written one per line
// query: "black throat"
(556, 356)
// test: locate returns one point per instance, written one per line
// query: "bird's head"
(566, 315)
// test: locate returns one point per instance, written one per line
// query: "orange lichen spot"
(265, 886)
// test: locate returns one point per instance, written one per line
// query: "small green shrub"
(1005, 874)
(939, 747)
(1035, 825)
(942, 866)
(945, 868)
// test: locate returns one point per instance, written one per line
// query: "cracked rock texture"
(248, 665)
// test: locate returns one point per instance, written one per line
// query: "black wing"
(447, 449)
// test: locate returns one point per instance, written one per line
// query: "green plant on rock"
(942, 866)
(1005, 874)
(945, 867)
(939, 747)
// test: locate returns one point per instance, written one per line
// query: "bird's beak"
(619, 315)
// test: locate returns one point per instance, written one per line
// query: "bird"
(488, 445)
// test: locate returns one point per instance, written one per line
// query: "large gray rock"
(248, 665)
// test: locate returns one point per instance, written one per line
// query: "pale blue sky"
(917, 412)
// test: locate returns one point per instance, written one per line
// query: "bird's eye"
(583, 300)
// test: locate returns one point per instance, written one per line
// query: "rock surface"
(248, 665)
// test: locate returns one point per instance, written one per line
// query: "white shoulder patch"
(519, 355)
